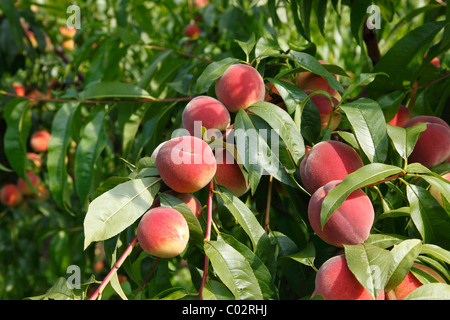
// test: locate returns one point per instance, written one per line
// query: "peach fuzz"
(186, 164)
(433, 145)
(239, 87)
(35, 181)
(402, 116)
(207, 112)
(163, 232)
(335, 281)
(10, 195)
(39, 141)
(192, 31)
(350, 224)
(308, 80)
(229, 173)
(435, 192)
(189, 199)
(326, 161)
(326, 110)
(411, 283)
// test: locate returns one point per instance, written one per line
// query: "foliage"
(120, 92)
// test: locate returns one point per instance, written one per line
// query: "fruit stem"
(207, 238)
(117, 265)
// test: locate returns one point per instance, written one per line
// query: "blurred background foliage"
(143, 43)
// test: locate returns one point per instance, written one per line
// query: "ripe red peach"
(411, 283)
(239, 87)
(402, 116)
(326, 161)
(39, 141)
(207, 112)
(229, 173)
(435, 192)
(335, 281)
(433, 145)
(189, 199)
(310, 81)
(19, 89)
(163, 232)
(192, 31)
(10, 195)
(186, 164)
(326, 110)
(35, 181)
(350, 224)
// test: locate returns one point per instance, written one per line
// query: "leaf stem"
(117, 265)
(207, 238)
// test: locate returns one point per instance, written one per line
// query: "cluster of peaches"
(12, 195)
(187, 164)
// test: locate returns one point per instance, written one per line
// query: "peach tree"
(244, 162)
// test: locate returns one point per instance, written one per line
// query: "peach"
(156, 150)
(207, 112)
(19, 89)
(189, 199)
(435, 192)
(10, 195)
(39, 141)
(433, 145)
(35, 181)
(239, 87)
(201, 3)
(402, 116)
(411, 283)
(192, 31)
(350, 224)
(186, 164)
(35, 158)
(68, 32)
(326, 110)
(326, 161)
(43, 193)
(229, 173)
(335, 281)
(310, 81)
(68, 44)
(163, 232)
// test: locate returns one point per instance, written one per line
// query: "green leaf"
(384, 240)
(436, 252)
(102, 90)
(290, 93)
(403, 256)
(306, 256)
(367, 175)
(283, 124)
(441, 184)
(430, 291)
(233, 270)
(214, 290)
(310, 63)
(93, 141)
(369, 127)
(61, 137)
(260, 270)
(213, 72)
(262, 245)
(395, 62)
(17, 115)
(247, 46)
(428, 216)
(116, 209)
(195, 229)
(404, 139)
(370, 265)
